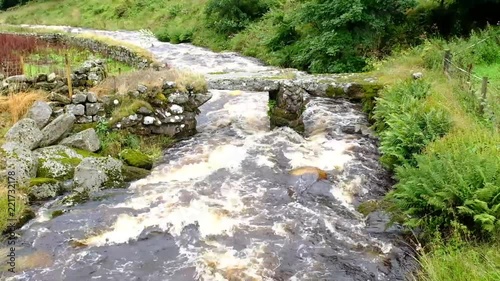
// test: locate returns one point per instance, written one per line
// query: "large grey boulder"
(57, 162)
(26, 133)
(94, 174)
(57, 129)
(40, 112)
(86, 140)
(42, 189)
(20, 160)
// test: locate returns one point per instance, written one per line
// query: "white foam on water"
(321, 153)
(254, 263)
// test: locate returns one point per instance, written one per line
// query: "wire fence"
(27, 55)
(55, 62)
(481, 91)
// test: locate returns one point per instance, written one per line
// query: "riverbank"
(441, 140)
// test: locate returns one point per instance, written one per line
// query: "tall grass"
(18, 104)
(128, 82)
(460, 261)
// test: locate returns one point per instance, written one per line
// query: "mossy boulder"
(136, 158)
(94, 174)
(57, 162)
(44, 188)
(133, 173)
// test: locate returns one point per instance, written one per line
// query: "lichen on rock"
(94, 174)
(57, 162)
(44, 188)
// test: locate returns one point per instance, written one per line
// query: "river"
(223, 206)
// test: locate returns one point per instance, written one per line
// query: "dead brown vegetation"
(15, 105)
(128, 82)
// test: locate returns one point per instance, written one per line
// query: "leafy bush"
(338, 36)
(455, 184)
(406, 124)
(231, 16)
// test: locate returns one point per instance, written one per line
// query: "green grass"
(108, 14)
(46, 61)
(450, 186)
(19, 210)
(463, 262)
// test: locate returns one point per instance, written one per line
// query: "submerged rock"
(320, 174)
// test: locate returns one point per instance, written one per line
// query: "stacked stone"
(172, 116)
(89, 74)
(85, 107)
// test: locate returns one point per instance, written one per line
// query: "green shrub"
(231, 16)
(455, 184)
(406, 124)
(338, 36)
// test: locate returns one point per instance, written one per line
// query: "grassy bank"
(441, 140)
(282, 33)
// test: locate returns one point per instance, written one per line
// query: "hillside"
(291, 33)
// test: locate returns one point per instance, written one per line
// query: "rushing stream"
(223, 206)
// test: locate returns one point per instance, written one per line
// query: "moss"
(40, 181)
(85, 153)
(136, 158)
(73, 161)
(367, 207)
(127, 108)
(333, 92)
(160, 97)
(371, 92)
(283, 114)
(82, 127)
(133, 173)
(57, 213)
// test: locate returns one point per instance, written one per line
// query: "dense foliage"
(406, 124)
(455, 185)
(231, 16)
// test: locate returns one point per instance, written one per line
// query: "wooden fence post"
(484, 90)
(68, 75)
(22, 64)
(469, 75)
(447, 62)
